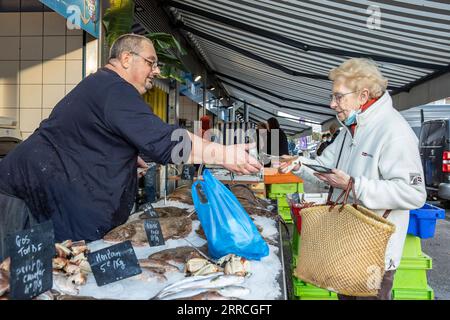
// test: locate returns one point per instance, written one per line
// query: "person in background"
(326, 138)
(279, 147)
(334, 131)
(378, 150)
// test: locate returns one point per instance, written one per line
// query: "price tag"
(154, 233)
(188, 172)
(149, 210)
(31, 253)
(114, 263)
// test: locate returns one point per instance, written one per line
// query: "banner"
(82, 14)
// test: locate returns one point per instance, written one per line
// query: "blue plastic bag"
(228, 227)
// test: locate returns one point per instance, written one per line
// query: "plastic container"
(422, 222)
(300, 188)
(412, 247)
(285, 213)
(413, 294)
(283, 188)
(306, 291)
(282, 202)
(295, 245)
(297, 219)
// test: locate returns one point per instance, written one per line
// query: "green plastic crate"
(283, 188)
(413, 294)
(412, 273)
(419, 263)
(410, 279)
(300, 188)
(276, 196)
(285, 213)
(295, 242)
(282, 201)
(306, 291)
(412, 247)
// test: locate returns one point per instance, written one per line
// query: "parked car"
(434, 145)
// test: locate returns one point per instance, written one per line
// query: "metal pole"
(100, 41)
(422, 116)
(246, 111)
(204, 95)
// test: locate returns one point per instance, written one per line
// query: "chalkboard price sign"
(114, 263)
(149, 210)
(31, 253)
(188, 172)
(154, 233)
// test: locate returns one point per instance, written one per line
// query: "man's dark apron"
(14, 216)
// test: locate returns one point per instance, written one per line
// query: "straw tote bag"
(342, 247)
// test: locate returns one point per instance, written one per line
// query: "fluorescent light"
(212, 88)
(221, 98)
(197, 78)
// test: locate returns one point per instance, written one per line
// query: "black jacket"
(79, 167)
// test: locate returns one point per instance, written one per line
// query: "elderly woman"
(377, 149)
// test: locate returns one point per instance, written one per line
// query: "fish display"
(182, 194)
(178, 255)
(196, 285)
(252, 204)
(168, 212)
(172, 228)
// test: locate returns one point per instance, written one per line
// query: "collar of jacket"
(378, 108)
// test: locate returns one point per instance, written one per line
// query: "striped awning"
(276, 55)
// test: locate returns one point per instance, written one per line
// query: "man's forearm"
(204, 151)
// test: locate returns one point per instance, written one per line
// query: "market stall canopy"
(277, 54)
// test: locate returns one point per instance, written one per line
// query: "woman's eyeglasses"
(338, 96)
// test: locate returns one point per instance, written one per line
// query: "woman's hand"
(337, 179)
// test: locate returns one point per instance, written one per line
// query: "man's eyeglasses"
(152, 64)
(338, 96)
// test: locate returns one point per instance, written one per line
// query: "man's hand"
(142, 167)
(337, 179)
(238, 160)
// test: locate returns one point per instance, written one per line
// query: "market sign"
(82, 14)
(154, 232)
(114, 263)
(31, 253)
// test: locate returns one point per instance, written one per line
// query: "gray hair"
(127, 42)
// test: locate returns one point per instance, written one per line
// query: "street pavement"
(438, 248)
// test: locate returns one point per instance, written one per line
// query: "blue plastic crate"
(422, 222)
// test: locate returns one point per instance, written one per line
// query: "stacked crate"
(278, 191)
(410, 281)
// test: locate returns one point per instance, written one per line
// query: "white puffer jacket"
(383, 157)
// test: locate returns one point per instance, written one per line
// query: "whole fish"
(182, 194)
(173, 227)
(216, 282)
(209, 294)
(167, 212)
(156, 264)
(178, 254)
